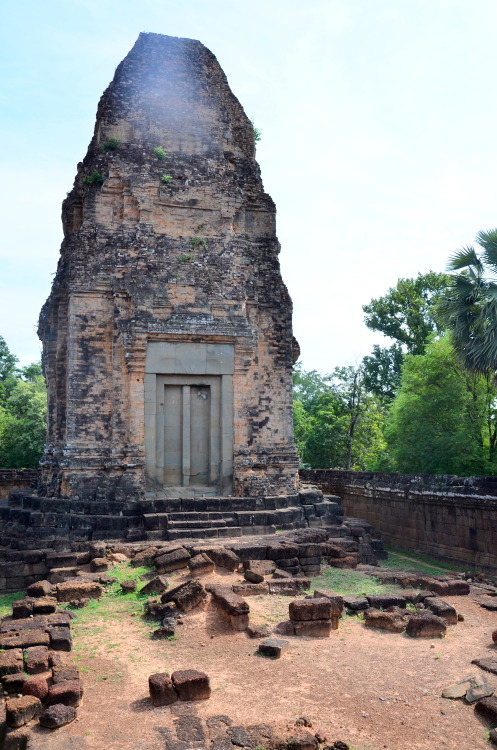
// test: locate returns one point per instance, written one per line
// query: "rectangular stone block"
(310, 609)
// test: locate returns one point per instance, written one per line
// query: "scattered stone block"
(157, 585)
(99, 565)
(282, 552)
(191, 685)
(478, 692)
(458, 588)
(63, 673)
(289, 586)
(272, 647)
(200, 564)
(488, 664)
(55, 659)
(442, 609)
(161, 689)
(355, 603)
(313, 628)
(69, 590)
(44, 605)
(232, 605)
(68, 692)
(145, 557)
(22, 608)
(280, 573)
(251, 589)
(97, 549)
(439, 587)
(458, 689)
(239, 737)
(258, 631)
(310, 609)
(24, 639)
(12, 683)
(285, 628)
(262, 567)
(383, 601)
(487, 709)
(349, 561)
(167, 630)
(223, 558)
(37, 686)
(391, 621)
(57, 716)
(60, 638)
(20, 711)
(36, 659)
(175, 560)
(127, 587)
(40, 588)
(426, 626)
(303, 741)
(11, 662)
(117, 557)
(253, 577)
(61, 619)
(186, 596)
(488, 602)
(335, 599)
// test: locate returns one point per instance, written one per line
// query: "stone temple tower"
(167, 336)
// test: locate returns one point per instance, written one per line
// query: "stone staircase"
(228, 517)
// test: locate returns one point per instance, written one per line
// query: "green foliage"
(198, 239)
(257, 132)
(382, 370)
(436, 422)
(23, 408)
(184, 257)
(7, 600)
(337, 423)
(469, 308)
(160, 153)
(408, 311)
(111, 144)
(8, 360)
(94, 178)
(165, 177)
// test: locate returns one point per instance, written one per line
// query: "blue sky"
(378, 146)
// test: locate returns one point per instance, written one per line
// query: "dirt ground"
(371, 689)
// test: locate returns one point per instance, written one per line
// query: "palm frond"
(463, 258)
(488, 240)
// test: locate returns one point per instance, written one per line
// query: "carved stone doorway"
(189, 420)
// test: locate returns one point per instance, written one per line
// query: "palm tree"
(469, 308)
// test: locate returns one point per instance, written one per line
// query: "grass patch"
(91, 621)
(350, 582)
(410, 562)
(6, 601)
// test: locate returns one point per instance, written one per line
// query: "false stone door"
(188, 422)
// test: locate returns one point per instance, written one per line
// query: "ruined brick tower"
(167, 336)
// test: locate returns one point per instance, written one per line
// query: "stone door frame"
(189, 364)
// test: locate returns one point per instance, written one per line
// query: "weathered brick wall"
(194, 259)
(450, 517)
(17, 479)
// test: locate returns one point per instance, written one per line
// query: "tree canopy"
(23, 408)
(469, 308)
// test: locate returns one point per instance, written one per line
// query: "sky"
(379, 146)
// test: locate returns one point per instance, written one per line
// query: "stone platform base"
(40, 535)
